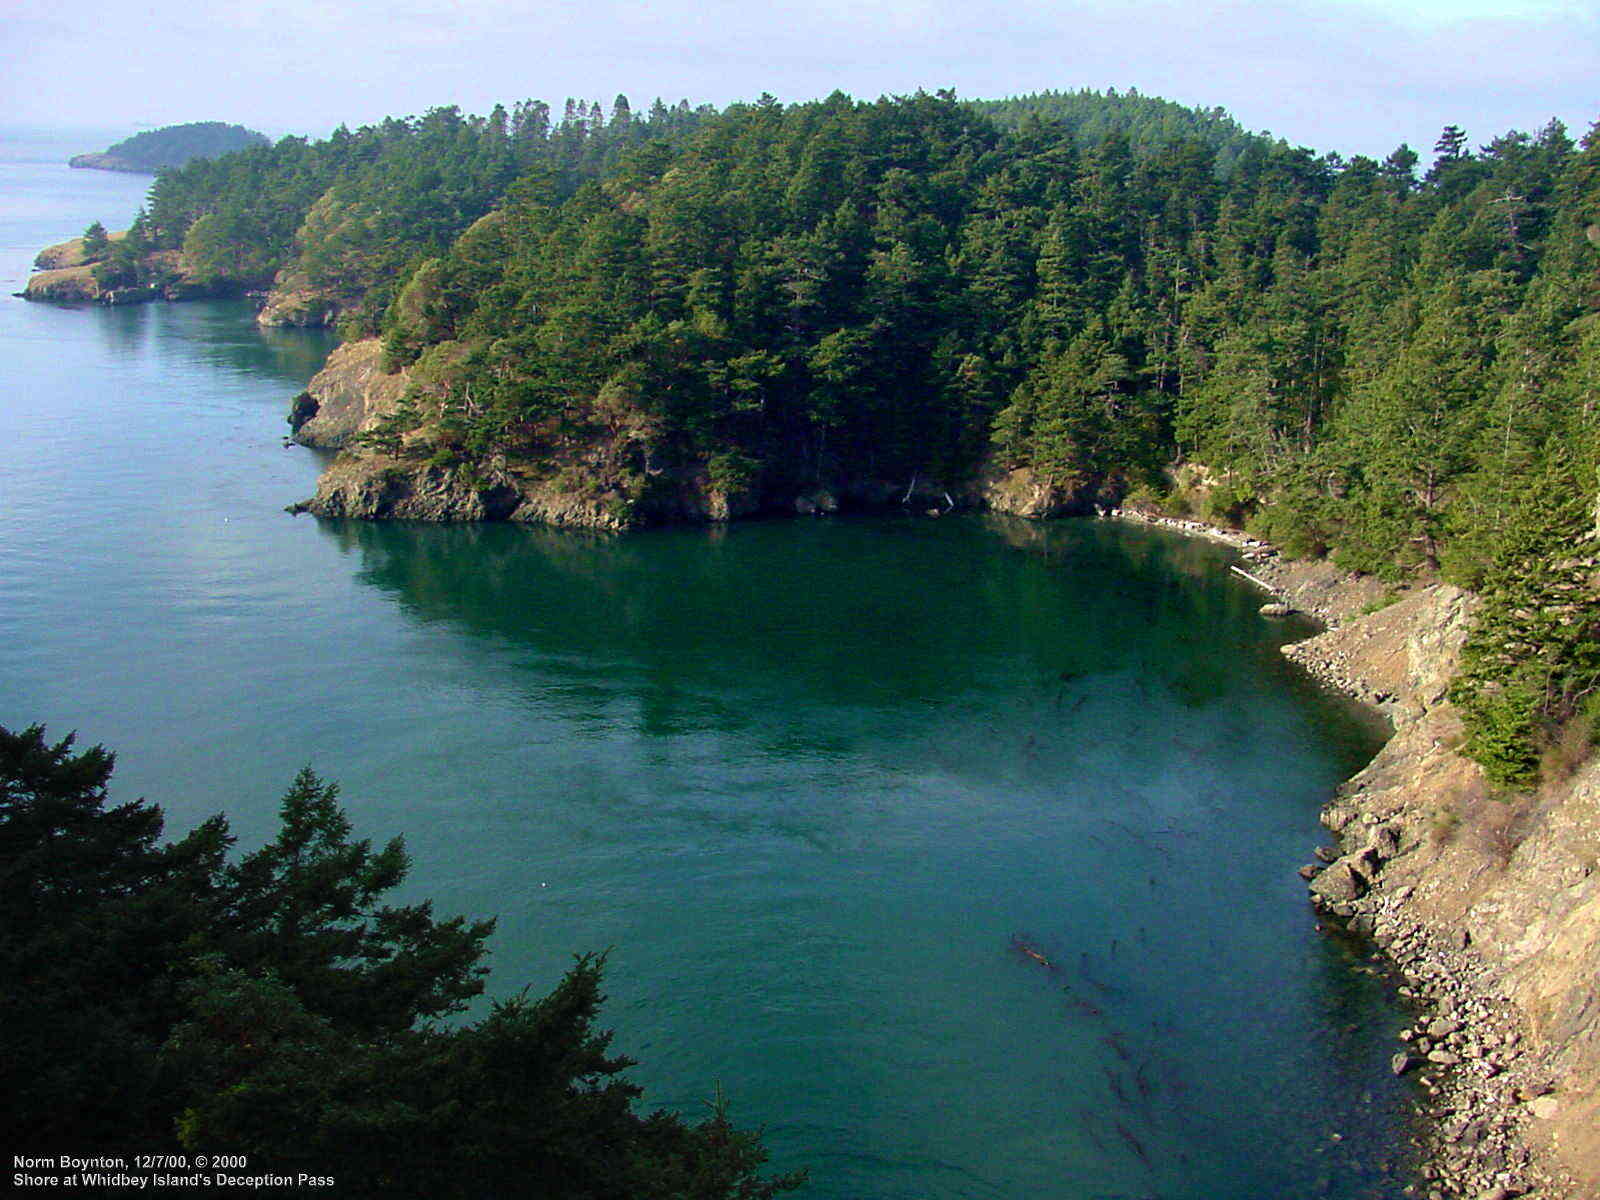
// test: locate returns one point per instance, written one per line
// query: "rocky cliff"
(63, 274)
(351, 392)
(64, 285)
(107, 162)
(1022, 492)
(1489, 904)
(293, 302)
(602, 481)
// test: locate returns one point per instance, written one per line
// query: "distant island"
(149, 152)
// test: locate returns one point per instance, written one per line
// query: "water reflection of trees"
(960, 648)
(867, 612)
(220, 333)
(124, 330)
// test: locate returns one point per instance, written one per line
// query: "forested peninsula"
(172, 146)
(1046, 305)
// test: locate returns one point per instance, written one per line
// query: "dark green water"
(807, 779)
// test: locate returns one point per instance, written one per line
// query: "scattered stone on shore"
(1483, 1085)
(1478, 1080)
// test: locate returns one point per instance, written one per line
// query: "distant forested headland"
(1081, 297)
(173, 146)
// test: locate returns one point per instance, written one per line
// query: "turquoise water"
(812, 782)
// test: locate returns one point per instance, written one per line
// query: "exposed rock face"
(375, 485)
(586, 485)
(294, 303)
(66, 276)
(107, 162)
(1400, 658)
(64, 273)
(352, 394)
(63, 285)
(1022, 493)
(351, 390)
(1491, 906)
(378, 486)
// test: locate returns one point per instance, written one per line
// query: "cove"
(811, 781)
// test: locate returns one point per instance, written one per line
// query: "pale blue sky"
(1336, 74)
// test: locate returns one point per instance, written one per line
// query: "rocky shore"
(596, 483)
(1486, 908)
(107, 162)
(64, 274)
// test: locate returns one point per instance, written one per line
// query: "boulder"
(1443, 1027)
(1385, 843)
(1340, 883)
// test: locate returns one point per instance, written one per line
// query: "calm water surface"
(808, 780)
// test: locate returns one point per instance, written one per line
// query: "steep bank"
(603, 478)
(350, 393)
(65, 274)
(1490, 907)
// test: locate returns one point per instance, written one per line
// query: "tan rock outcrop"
(64, 285)
(1502, 893)
(1024, 493)
(351, 393)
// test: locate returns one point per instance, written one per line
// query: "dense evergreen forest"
(348, 217)
(1392, 363)
(167, 998)
(160, 149)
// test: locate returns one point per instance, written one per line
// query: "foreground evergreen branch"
(168, 997)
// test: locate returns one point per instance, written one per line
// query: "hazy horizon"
(1344, 76)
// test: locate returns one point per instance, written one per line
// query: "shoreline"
(1480, 1072)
